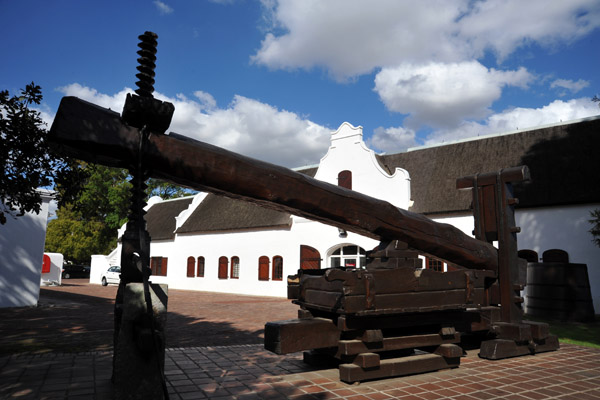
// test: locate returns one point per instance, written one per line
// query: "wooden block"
(397, 367)
(449, 350)
(550, 343)
(372, 336)
(304, 314)
(539, 330)
(512, 331)
(367, 360)
(290, 336)
(498, 349)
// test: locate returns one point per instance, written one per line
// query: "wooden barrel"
(559, 291)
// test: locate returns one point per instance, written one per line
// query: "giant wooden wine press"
(376, 321)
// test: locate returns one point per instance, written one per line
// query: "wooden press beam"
(86, 131)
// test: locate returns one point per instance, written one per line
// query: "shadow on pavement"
(68, 320)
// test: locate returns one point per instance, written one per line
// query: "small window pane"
(235, 267)
(350, 250)
(335, 262)
(200, 272)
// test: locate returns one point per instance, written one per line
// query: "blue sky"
(272, 79)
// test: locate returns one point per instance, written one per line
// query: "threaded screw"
(146, 64)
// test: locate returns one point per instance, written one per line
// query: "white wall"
(248, 246)
(21, 252)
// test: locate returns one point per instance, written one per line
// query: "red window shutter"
(277, 268)
(163, 264)
(191, 266)
(46, 264)
(263, 268)
(345, 179)
(154, 265)
(200, 272)
(223, 267)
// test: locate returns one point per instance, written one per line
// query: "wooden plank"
(461, 319)
(410, 302)
(351, 347)
(390, 281)
(96, 134)
(397, 367)
(290, 336)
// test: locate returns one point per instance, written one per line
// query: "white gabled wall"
(349, 152)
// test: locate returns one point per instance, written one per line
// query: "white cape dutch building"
(212, 243)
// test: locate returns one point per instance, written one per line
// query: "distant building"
(212, 243)
(21, 254)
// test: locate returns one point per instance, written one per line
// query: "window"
(277, 268)
(200, 272)
(223, 262)
(235, 267)
(263, 268)
(310, 258)
(345, 179)
(434, 264)
(348, 257)
(158, 265)
(191, 266)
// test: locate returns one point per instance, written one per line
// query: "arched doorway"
(310, 258)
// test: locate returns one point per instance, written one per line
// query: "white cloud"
(392, 140)
(573, 86)
(518, 119)
(440, 94)
(354, 37)
(246, 126)
(350, 38)
(162, 7)
(505, 25)
(206, 99)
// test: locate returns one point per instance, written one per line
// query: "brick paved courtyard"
(245, 370)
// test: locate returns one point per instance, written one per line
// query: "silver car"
(112, 275)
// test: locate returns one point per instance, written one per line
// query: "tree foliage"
(24, 154)
(94, 204)
(166, 190)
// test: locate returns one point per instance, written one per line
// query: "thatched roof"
(160, 218)
(564, 162)
(218, 213)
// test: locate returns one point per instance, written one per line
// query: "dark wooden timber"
(96, 134)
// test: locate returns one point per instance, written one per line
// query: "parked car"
(75, 271)
(111, 275)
